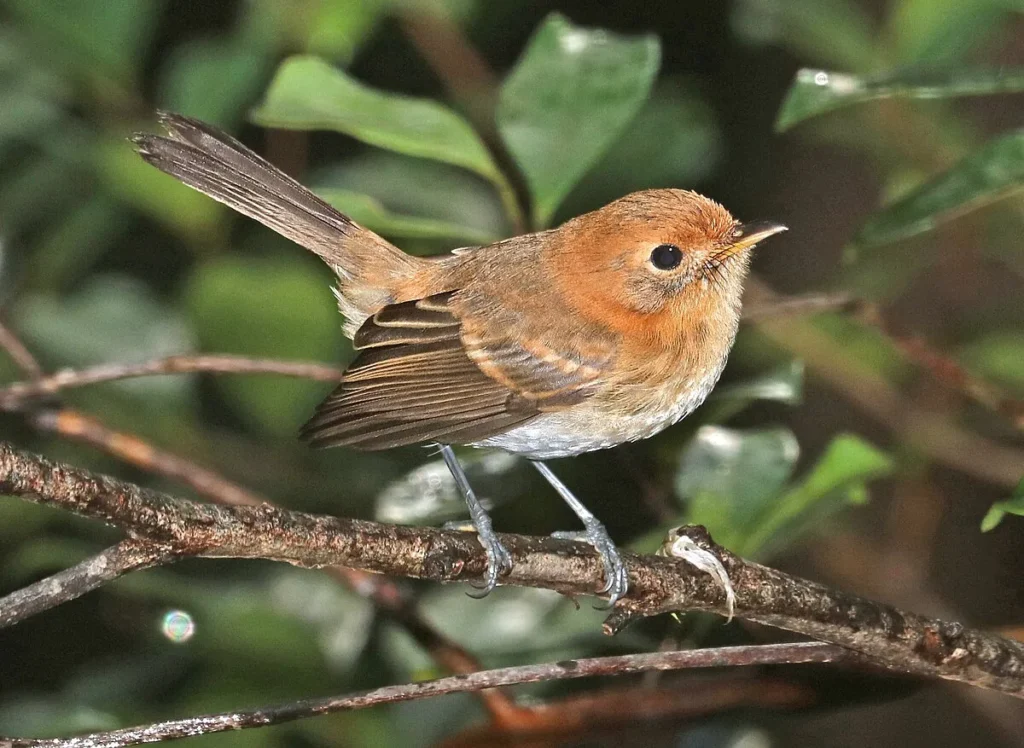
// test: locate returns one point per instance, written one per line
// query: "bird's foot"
(616, 575)
(499, 561)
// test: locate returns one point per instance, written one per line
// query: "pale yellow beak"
(749, 234)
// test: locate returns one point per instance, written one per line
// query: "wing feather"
(413, 382)
(437, 370)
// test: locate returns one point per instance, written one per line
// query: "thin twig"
(134, 450)
(898, 640)
(19, 353)
(812, 303)
(935, 434)
(14, 394)
(583, 718)
(766, 654)
(116, 561)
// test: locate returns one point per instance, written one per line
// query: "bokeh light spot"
(178, 626)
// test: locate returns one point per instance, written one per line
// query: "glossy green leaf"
(570, 96)
(989, 174)
(729, 476)
(1013, 505)
(372, 214)
(309, 94)
(837, 478)
(815, 92)
(266, 307)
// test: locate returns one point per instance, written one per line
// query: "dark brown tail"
(367, 266)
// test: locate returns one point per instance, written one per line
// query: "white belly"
(588, 426)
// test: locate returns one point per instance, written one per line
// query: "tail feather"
(368, 267)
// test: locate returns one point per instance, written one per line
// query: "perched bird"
(604, 330)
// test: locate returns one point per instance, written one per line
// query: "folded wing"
(427, 371)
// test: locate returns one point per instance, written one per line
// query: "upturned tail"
(369, 269)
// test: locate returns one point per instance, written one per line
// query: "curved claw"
(616, 575)
(499, 563)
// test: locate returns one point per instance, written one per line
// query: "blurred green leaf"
(838, 478)
(45, 717)
(213, 79)
(417, 187)
(784, 384)
(372, 214)
(180, 208)
(1013, 505)
(989, 174)
(111, 318)
(45, 554)
(815, 92)
(31, 191)
(730, 476)
(309, 94)
(674, 140)
(336, 28)
(734, 480)
(944, 31)
(868, 348)
(76, 240)
(997, 355)
(427, 494)
(273, 307)
(570, 96)
(835, 32)
(19, 519)
(125, 680)
(99, 35)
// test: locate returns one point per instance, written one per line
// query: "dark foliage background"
(799, 460)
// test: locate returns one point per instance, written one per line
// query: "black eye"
(666, 256)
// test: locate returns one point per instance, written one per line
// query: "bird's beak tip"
(755, 231)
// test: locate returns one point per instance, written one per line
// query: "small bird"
(605, 330)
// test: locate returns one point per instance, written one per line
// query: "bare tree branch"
(116, 561)
(896, 639)
(766, 654)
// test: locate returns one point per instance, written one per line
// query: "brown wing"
(419, 377)
(413, 382)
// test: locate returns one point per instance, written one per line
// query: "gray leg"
(615, 574)
(498, 560)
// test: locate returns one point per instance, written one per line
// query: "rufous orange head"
(655, 255)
